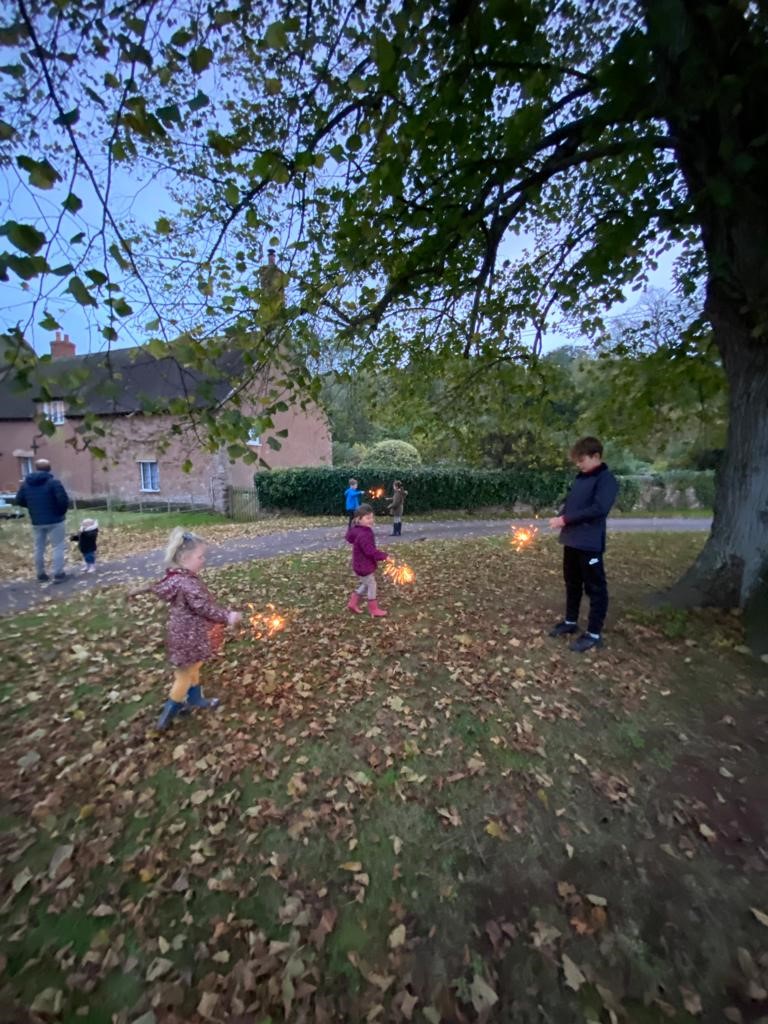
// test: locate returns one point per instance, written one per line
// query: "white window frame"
(254, 439)
(142, 478)
(56, 412)
(25, 466)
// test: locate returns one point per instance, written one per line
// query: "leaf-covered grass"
(122, 534)
(442, 815)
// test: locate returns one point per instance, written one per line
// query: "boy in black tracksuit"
(582, 532)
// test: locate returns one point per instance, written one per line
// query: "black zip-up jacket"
(586, 509)
(86, 540)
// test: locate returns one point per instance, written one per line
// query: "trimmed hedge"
(321, 491)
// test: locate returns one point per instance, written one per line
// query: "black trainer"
(585, 643)
(43, 577)
(564, 628)
(59, 577)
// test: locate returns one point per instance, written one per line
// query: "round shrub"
(394, 455)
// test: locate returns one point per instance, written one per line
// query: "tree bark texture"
(711, 68)
(732, 569)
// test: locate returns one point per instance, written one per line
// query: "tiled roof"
(121, 381)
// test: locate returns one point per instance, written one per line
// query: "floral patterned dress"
(192, 633)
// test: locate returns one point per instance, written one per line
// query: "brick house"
(145, 450)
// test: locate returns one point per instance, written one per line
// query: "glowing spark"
(399, 573)
(523, 536)
(266, 624)
(377, 492)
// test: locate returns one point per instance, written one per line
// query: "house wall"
(73, 468)
(151, 438)
(138, 438)
(308, 444)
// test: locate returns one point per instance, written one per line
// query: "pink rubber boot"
(353, 604)
(373, 608)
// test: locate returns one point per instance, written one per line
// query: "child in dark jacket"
(87, 539)
(582, 525)
(365, 558)
(396, 507)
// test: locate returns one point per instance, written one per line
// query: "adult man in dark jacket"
(47, 502)
(582, 532)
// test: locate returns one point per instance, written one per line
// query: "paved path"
(20, 595)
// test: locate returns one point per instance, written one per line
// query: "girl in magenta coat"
(193, 624)
(365, 558)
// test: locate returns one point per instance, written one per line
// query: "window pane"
(150, 476)
(55, 412)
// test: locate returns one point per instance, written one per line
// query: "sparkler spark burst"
(523, 536)
(377, 492)
(399, 572)
(266, 624)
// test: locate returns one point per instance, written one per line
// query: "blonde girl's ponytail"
(180, 540)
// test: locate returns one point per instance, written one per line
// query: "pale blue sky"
(143, 203)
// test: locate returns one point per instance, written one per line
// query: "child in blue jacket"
(582, 525)
(352, 498)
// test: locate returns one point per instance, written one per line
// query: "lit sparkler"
(377, 492)
(266, 624)
(523, 536)
(399, 573)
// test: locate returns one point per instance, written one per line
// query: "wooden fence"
(243, 504)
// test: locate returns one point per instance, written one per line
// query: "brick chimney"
(62, 348)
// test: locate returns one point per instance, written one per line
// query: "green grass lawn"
(439, 816)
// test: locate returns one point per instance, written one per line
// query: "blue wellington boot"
(195, 699)
(170, 710)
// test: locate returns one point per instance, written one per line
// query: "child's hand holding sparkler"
(233, 618)
(556, 523)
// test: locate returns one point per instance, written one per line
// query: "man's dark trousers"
(584, 573)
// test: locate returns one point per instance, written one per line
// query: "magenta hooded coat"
(365, 554)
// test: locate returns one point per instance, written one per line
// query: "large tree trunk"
(711, 71)
(732, 569)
